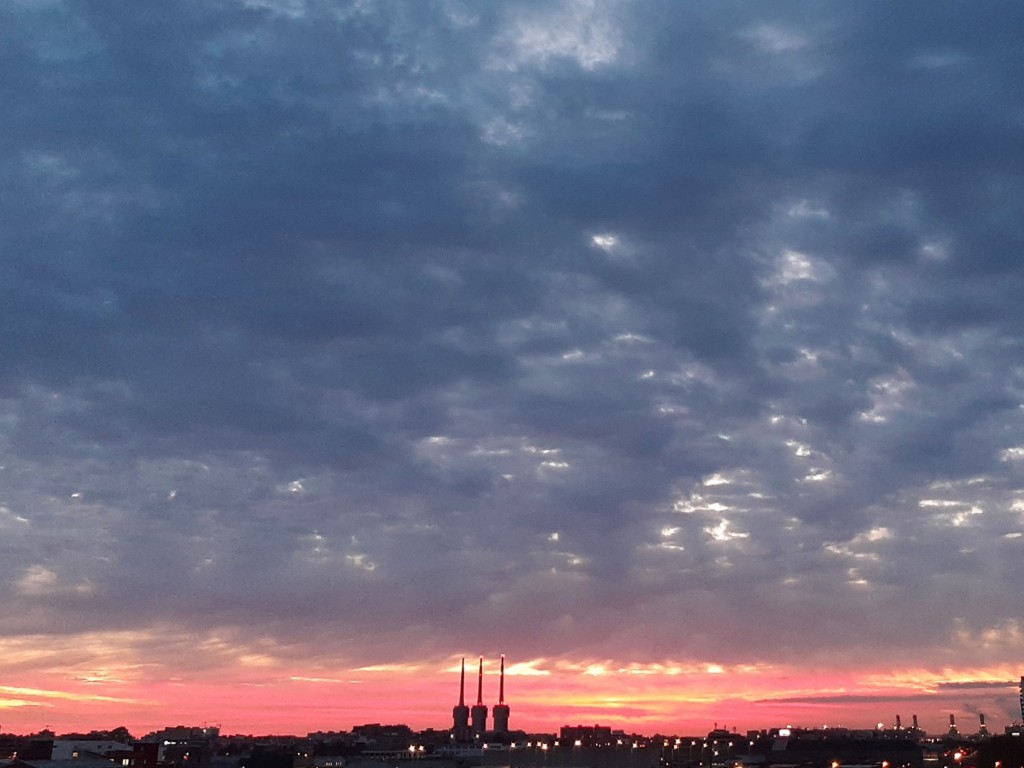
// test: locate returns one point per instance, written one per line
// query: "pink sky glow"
(259, 695)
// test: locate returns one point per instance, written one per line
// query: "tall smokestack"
(916, 728)
(460, 712)
(478, 714)
(953, 730)
(899, 723)
(501, 709)
(480, 683)
(982, 728)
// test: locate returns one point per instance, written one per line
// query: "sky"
(671, 349)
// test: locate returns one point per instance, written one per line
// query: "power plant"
(470, 723)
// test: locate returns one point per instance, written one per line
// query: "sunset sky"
(673, 349)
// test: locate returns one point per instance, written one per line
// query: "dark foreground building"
(846, 751)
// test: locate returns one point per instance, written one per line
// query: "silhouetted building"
(375, 736)
(843, 750)
(74, 749)
(185, 746)
(587, 735)
(28, 748)
(267, 758)
(143, 754)
(1001, 751)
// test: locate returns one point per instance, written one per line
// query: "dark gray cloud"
(412, 319)
(972, 684)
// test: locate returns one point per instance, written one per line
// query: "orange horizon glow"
(260, 693)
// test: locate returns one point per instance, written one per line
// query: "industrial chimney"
(460, 712)
(501, 709)
(478, 713)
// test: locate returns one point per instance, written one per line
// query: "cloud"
(979, 684)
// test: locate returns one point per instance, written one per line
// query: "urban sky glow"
(674, 350)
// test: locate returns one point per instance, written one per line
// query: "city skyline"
(675, 350)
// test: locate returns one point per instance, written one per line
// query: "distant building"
(185, 746)
(142, 754)
(830, 751)
(26, 747)
(1022, 698)
(68, 749)
(587, 735)
(387, 738)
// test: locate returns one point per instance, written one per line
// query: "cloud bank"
(340, 335)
